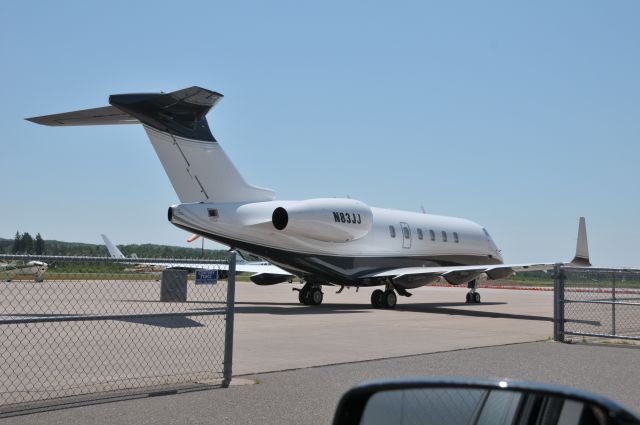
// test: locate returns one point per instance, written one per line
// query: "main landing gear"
(384, 299)
(473, 297)
(310, 294)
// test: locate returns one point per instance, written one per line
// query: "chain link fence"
(90, 324)
(597, 303)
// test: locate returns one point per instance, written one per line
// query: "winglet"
(582, 248)
(113, 250)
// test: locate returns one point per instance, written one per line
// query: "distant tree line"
(24, 243)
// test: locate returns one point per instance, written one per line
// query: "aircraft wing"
(242, 268)
(263, 274)
(257, 268)
(442, 270)
(418, 276)
(412, 277)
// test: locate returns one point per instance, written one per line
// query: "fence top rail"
(88, 259)
(601, 269)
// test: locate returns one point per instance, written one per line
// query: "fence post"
(613, 305)
(228, 334)
(558, 303)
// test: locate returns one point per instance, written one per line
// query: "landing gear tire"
(389, 299)
(473, 298)
(376, 298)
(315, 296)
(310, 296)
(304, 295)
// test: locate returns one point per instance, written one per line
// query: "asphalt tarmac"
(304, 357)
(310, 395)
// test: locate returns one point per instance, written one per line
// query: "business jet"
(325, 241)
(34, 269)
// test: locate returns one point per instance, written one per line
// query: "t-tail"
(198, 168)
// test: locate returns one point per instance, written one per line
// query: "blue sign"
(206, 277)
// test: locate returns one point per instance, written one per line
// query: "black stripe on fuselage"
(343, 270)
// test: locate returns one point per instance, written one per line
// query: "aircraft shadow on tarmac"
(294, 309)
(174, 322)
(429, 308)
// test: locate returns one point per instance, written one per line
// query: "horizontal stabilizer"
(177, 127)
(95, 116)
(180, 113)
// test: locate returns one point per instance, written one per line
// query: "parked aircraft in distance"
(34, 269)
(114, 252)
(325, 241)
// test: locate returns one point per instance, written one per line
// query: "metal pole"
(561, 304)
(613, 305)
(558, 303)
(228, 334)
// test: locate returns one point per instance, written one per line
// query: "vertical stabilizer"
(113, 250)
(197, 167)
(582, 247)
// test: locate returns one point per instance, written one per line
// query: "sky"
(521, 116)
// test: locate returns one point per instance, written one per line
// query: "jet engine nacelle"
(325, 219)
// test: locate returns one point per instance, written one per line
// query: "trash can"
(173, 286)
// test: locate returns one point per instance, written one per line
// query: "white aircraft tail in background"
(113, 250)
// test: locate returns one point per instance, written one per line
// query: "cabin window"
(405, 232)
(213, 213)
(432, 234)
(419, 231)
(392, 231)
(456, 239)
(444, 236)
(485, 232)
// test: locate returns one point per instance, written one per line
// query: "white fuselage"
(393, 238)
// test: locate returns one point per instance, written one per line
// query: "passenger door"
(406, 235)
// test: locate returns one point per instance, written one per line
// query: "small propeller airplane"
(324, 241)
(34, 269)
